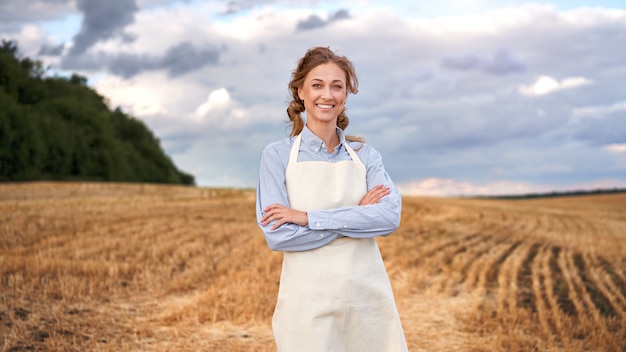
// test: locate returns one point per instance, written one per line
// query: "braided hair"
(313, 58)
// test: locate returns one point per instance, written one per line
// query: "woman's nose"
(326, 93)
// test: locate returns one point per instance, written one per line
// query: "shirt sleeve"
(271, 189)
(379, 219)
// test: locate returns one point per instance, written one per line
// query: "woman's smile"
(324, 93)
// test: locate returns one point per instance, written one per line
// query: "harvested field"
(135, 267)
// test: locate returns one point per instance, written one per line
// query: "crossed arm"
(282, 214)
(286, 229)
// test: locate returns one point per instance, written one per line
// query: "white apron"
(336, 298)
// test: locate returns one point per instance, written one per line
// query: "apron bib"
(336, 298)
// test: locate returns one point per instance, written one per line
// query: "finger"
(266, 216)
(379, 195)
(273, 217)
(279, 223)
(383, 191)
(270, 207)
(270, 210)
(269, 217)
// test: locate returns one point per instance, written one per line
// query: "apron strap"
(352, 153)
(295, 148)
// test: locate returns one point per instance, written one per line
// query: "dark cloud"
(103, 20)
(503, 62)
(312, 22)
(315, 21)
(341, 14)
(233, 7)
(55, 50)
(602, 129)
(177, 60)
(236, 6)
(13, 11)
(467, 61)
(129, 65)
(185, 57)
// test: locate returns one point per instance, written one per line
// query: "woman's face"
(324, 92)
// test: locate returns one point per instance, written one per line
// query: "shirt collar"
(315, 143)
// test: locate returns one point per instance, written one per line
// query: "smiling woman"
(322, 199)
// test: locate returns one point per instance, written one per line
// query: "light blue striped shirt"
(379, 219)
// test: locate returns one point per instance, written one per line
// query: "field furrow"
(109, 267)
(606, 286)
(560, 288)
(507, 281)
(492, 276)
(436, 248)
(476, 281)
(616, 322)
(457, 261)
(617, 277)
(538, 289)
(525, 296)
(584, 297)
(556, 296)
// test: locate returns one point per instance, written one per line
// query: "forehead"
(327, 72)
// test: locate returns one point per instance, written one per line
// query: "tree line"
(58, 128)
(572, 193)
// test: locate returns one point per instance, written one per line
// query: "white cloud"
(436, 187)
(218, 99)
(448, 187)
(599, 110)
(29, 38)
(546, 85)
(260, 23)
(617, 148)
(132, 96)
(221, 111)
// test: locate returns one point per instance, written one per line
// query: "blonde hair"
(313, 58)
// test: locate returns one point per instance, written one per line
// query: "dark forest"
(58, 128)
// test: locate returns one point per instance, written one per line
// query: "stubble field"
(120, 267)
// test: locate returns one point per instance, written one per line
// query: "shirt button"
(345, 226)
(317, 149)
(318, 224)
(322, 235)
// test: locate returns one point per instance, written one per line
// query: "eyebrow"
(321, 80)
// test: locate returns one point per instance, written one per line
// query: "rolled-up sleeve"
(379, 219)
(271, 189)
(324, 226)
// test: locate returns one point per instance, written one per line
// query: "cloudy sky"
(459, 96)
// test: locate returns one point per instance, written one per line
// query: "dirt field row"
(117, 267)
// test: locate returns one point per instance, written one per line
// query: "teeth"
(325, 106)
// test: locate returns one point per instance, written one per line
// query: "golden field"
(134, 267)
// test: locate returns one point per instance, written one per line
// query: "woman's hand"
(374, 195)
(282, 215)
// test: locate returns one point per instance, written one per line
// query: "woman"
(322, 198)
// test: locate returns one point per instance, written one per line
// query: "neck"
(327, 133)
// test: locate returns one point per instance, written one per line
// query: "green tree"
(61, 129)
